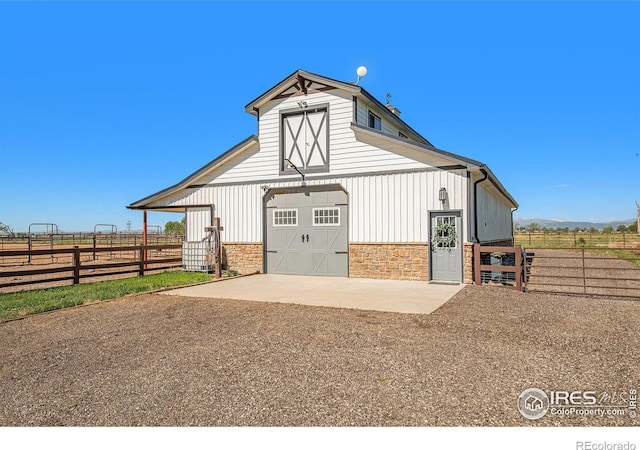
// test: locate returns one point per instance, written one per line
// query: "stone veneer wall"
(397, 261)
(242, 257)
(467, 265)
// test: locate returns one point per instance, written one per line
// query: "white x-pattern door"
(305, 139)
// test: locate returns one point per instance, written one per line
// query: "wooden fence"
(132, 261)
(502, 266)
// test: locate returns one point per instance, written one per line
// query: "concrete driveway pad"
(413, 297)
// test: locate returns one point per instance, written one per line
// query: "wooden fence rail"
(79, 270)
(515, 272)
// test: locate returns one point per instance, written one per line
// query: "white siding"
(347, 154)
(494, 217)
(197, 220)
(363, 118)
(382, 208)
(239, 207)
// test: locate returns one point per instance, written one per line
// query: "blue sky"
(102, 104)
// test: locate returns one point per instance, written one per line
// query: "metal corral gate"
(595, 271)
(584, 271)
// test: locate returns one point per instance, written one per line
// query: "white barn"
(336, 183)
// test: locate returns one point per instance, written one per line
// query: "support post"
(477, 279)
(519, 268)
(141, 259)
(76, 264)
(29, 245)
(144, 236)
(216, 224)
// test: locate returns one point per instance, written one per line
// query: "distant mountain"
(555, 223)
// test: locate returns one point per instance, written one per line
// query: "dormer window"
(305, 139)
(374, 121)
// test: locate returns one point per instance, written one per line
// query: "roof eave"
(253, 106)
(233, 151)
(470, 164)
(498, 185)
(393, 117)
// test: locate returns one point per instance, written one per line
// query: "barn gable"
(334, 181)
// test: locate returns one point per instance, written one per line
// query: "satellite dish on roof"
(361, 71)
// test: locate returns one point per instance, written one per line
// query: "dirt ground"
(171, 361)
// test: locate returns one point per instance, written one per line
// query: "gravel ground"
(168, 361)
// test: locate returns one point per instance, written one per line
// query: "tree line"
(533, 227)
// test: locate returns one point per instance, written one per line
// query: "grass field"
(20, 304)
(570, 240)
(624, 246)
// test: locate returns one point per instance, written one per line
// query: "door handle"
(303, 238)
(307, 238)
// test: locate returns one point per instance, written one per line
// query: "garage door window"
(285, 218)
(326, 216)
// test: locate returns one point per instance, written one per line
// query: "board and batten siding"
(392, 207)
(494, 217)
(347, 154)
(197, 220)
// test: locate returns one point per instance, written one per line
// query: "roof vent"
(393, 109)
(390, 107)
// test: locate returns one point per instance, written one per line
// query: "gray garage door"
(307, 232)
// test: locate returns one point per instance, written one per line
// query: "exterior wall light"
(293, 166)
(442, 195)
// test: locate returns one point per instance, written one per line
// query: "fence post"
(584, 273)
(519, 274)
(141, 258)
(476, 265)
(76, 264)
(94, 246)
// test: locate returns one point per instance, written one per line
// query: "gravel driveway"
(161, 360)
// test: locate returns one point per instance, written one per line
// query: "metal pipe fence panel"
(577, 239)
(592, 271)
